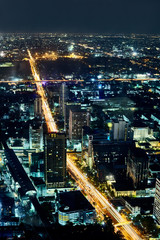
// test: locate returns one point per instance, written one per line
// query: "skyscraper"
(77, 119)
(156, 207)
(37, 106)
(36, 137)
(121, 130)
(63, 98)
(137, 167)
(55, 159)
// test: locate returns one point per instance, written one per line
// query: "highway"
(51, 125)
(96, 198)
(101, 202)
(41, 81)
(79, 80)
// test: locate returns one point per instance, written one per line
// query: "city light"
(101, 202)
(81, 112)
(45, 106)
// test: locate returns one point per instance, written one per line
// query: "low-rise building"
(75, 208)
(139, 205)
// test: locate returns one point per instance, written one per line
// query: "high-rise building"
(137, 167)
(37, 106)
(156, 206)
(55, 159)
(121, 130)
(36, 138)
(69, 106)
(77, 119)
(36, 163)
(106, 153)
(63, 97)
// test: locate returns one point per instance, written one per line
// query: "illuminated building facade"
(121, 130)
(105, 152)
(77, 119)
(141, 131)
(75, 208)
(137, 167)
(55, 159)
(156, 207)
(37, 106)
(36, 138)
(63, 98)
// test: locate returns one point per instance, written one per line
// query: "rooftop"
(146, 203)
(155, 167)
(74, 201)
(18, 172)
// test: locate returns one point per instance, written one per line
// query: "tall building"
(63, 97)
(77, 119)
(36, 138)
(36, 163)
(121, 130)
(55, 159)
(137, 167)
(68, 107)
(37, 106)
(156, 206)
(105, 154)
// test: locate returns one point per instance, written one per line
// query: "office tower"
(36, 137)
(55, 159)
(63, 98)
(77, 119)
(121, 130)
(156, 206)
(38, 106)
(137, 167)
(68, 107)
(36, 163)
(102, 151)
(90, 159)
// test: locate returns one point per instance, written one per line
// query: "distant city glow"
(2, 54)
(71, 47)
(46, 109)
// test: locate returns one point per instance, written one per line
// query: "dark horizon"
(111, 16)
(81, 33)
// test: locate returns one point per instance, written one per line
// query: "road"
(45, 106)
(102, 204)
(80, 80)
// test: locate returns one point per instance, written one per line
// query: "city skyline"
(79, 136)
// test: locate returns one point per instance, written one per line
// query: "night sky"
(108, 16)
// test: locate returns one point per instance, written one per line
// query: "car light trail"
(100, 200)
(51, 125)
(103, 205)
